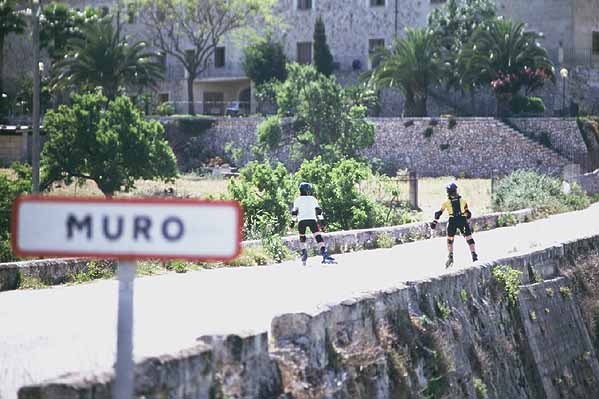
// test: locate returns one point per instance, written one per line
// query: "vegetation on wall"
(12, 184)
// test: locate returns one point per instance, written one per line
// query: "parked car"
(235, 109)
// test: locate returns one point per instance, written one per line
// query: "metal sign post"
(126, 229)
(123, 386)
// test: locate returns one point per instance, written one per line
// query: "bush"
(428, 132)
(12, 184)
(527, 105)
(263, 192)
(336, 188)
(165, 109)
(528, 189)
(270, 132)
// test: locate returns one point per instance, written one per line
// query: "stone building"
(355, 27)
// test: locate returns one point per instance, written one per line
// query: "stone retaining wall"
(455, 336)
(589, 182)
(47, 271)
(473, 147)
(356, 240)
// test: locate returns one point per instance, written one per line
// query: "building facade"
(354, 28)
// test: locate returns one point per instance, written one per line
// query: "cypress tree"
(323, 60)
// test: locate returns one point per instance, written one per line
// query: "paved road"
(46, 333)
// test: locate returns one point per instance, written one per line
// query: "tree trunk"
(191, 107)
(2, 66)
(415, 105)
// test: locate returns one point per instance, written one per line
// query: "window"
(219, 57)
(595, 42)
(377, 3)
(163, 98)
(304, 52)
(214, 103)
(304, 4)
(373, 46)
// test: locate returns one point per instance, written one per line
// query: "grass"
(186, 186)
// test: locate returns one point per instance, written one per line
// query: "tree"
(323, 60)
(101, 57)
(265, 61)
(412, 65)
(110, 143)
(60, 24)
(190, 30)
(11, 21)
(453, 25)
(325, 119)
(506, 58)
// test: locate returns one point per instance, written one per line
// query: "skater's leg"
(303, 244)
(326, 258)
(471, 244)
(449, 262)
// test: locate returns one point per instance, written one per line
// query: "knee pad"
(302, 238)
(450, 240)
(470, 241)
(319, 238)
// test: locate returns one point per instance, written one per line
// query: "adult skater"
(459, 214)
(306, 212)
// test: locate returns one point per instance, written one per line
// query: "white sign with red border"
(126, 228)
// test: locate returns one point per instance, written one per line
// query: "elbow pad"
(438, 214)
(318, 210)
(294, 212)
(468, 214)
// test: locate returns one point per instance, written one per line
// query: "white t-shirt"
(306, 207)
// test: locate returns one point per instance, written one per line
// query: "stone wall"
(589, 182)
(563, 134)
(456, 336)
(474, 147)
(47, 271)
(11, 148)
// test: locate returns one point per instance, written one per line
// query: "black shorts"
(308, 223)
(458, 223)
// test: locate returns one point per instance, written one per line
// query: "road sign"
(126, 228)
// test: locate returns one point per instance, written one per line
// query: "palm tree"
(412, 65)
(101, 57)
(508, 58)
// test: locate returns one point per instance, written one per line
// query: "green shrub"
(428, 132)
(93, 271)
(263, 192)
(12, 184)
(251, 257)
(270, 132)
(528, 189)
(165, 109)
(451, 123)
(178, 266)
(338, 192)
(385, 240)
(527, 105)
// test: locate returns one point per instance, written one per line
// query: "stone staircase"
(535, 146)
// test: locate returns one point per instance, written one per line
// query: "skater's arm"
(467, 212)
(294, 213)
(437, 216)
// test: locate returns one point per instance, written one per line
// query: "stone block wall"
(11, 148)
(474, 147)
(563, 134)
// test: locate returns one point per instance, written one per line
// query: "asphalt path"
(50, 332)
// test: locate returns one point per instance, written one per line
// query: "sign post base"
(123, 386)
